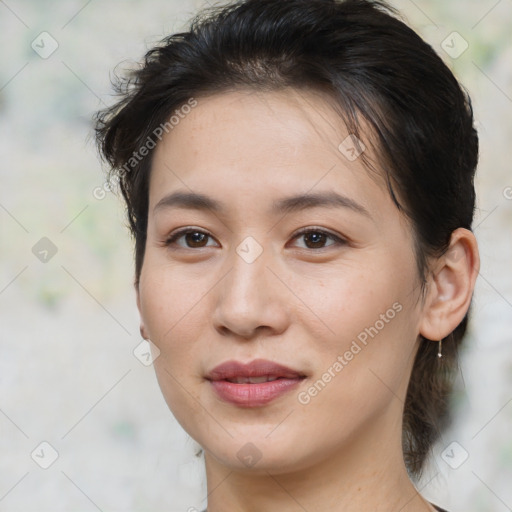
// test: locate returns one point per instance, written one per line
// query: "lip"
(253, 395)
(256, 368)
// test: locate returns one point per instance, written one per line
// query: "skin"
(300, 303)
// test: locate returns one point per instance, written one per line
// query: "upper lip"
(255, 368)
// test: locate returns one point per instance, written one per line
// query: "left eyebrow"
(327, 199)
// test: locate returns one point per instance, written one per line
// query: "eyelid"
(317, 229)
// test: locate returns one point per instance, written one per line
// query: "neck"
(367, 473)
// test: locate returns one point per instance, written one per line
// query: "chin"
(259, 455)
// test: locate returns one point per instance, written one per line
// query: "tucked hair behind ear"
(377, 71)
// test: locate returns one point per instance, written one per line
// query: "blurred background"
(83, 425)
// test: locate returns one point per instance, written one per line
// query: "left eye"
(315, 238)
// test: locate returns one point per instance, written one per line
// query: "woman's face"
(338, 305)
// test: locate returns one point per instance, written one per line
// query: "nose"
(251, 298)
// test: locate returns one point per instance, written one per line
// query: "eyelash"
(178, 234)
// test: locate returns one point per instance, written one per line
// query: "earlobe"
(451, 286)
(143, 332)
(142, 327)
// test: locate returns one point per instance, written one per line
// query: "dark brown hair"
(377, 71)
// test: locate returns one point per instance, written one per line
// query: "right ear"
(142, 328)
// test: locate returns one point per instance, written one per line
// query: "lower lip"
(253, 395)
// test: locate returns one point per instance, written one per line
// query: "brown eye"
(316, 238)
(194, 238)
(197, 239)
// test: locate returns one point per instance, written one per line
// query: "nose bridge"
(248, 280)
(247, 298)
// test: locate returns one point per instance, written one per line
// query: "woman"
(299, 182)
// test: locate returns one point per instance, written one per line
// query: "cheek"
(171, 306)
(170, 302)
(372, 332)
(351, 299)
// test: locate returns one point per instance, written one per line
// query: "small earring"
(439, 354)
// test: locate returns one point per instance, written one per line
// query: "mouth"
(254, 380)
(254, 372)
(254, 384)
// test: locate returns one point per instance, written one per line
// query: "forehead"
(286, 121)
(246, 145)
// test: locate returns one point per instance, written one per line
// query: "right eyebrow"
(190, 201)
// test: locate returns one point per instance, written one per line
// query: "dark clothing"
(435, 506)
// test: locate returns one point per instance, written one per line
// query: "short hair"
(377, 71)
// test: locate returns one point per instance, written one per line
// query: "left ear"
(450, 286)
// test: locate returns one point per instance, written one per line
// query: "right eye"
(194, 238)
